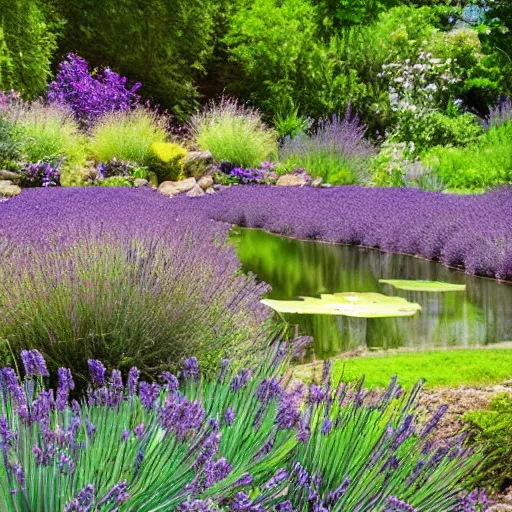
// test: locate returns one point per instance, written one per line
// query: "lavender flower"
(242, 503)
(229, 416)
(191, 368)
(139, 430)
(133, 379)
(240, 380)
(395, 505)
(83, 501)
(181, 417)
(34, 363)
(148, 393)
(280, 476)
(97, 372)
(171, 381)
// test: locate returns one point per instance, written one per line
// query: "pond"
(478, 316)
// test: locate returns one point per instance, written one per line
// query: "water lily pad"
(361, 305)
(424, 286)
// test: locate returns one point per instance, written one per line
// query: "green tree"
(27, 42)
(162, 43)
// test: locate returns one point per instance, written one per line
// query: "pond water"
(478, 316)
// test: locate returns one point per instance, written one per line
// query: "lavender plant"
(90, 95)
(336, 151)
(245, 441)
(118, 279)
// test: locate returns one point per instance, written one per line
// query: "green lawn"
(443, 368)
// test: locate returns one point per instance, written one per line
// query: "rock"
(198, 163)
(210, 190)
(173, 188)
(326, 185)
(8, 189)
(317, 182)
(205, 182)
(291, 180)
(197, 191)
(500, 508)
(141, 182)
(8, 175)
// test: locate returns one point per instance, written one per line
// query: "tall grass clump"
(243, 441)
(336, 151)
(47, 133)
(234, 133)
(127, 136)
(118, 280)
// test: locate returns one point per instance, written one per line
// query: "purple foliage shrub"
(90, 94)
(243, 441)
(122, 276)
(472, 232)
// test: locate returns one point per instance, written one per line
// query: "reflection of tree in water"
(478, 316)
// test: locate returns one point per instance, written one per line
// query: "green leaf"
(424, 286)
(360, 305)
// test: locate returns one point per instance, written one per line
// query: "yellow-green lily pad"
(424, 286)
(360, 305)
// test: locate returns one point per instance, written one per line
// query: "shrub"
(27, 42)
(47, 133)
(493, 428)
(127, 136)
(336, 151)
(240, 442)
(234, 132)
(128, 282)
(90, 95)
(9, 146)
(484, 164)
(168, 160)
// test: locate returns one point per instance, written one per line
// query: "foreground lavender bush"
(469, 232)
(243, 442)
(121, 277)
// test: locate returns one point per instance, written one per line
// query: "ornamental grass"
(246, 441)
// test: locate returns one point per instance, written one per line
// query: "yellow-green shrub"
(167, 160)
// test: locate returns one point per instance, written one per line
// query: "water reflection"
(478, 316)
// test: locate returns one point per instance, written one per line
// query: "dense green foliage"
(27, 45)
(494, 428)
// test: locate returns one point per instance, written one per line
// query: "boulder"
(141, 182)
(198, 163)
(197, 191)
(291, 180)
(317, 182)
(205, 182)
(8, 175)
(173, 188)
(210, 190)
(326, 185)
(8, 189)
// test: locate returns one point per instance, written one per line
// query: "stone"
(198, 163)
(291, 180)
(173, 188)
(205, 182)
(210, 190)
(326, 185)
(141, 182)
(500, 507)
(317, 182)
(8, 189)
(8, 175)
(197, 191)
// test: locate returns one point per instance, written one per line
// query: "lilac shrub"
(244, 441)
(90, 95)
(470, 232)
(123, 275)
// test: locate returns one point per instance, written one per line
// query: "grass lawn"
(439, 368)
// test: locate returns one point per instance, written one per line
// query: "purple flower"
(34, 363)
(268, 389)
(97, 372)
(116, 380)
(215, 471)
(395, 505)
(432, 424)
(148, 393)
(171, 381)
(118, 494)
(242, 503)
(83, 501)
(229, 416)
(191, 368)
(41, 406)
(181, 417)
(326, 426)
(280, 476)
(139, 430)
(40, 174)
(240, 379)
(90, 95)
(316, 394)
(133, 379)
